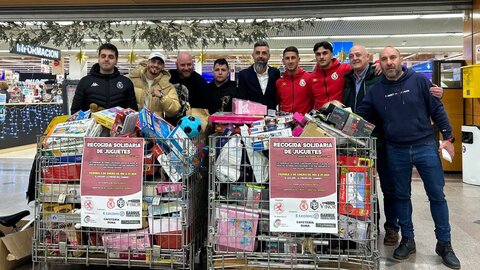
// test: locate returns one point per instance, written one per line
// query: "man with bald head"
(195, 83)
(403, 103)
(357, 83)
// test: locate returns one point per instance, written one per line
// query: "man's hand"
(436, 91)
(378, 69)
(156, 92)
(334, 102)
(447, 145)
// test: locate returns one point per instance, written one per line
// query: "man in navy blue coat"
(257, 83)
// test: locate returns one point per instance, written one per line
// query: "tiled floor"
(463, 202)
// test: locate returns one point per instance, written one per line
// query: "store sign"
(303, 185)
(39, 51)
(111, 183)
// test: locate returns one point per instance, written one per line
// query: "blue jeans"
(426, 159)
(388, 187)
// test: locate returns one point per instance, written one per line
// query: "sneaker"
(406, 247)
(391, 236)
(444, 249)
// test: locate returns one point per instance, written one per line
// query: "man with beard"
(293, 92)
(104, 87)
(221, 90)
(195, 83)
(152, 87)
(403, 102)
(257, 83)
(358, 82)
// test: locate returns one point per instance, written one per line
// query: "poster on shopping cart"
(111, 183)
(303, 186)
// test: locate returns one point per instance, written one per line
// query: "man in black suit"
(257, 83)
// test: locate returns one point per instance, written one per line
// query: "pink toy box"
(236, 229)
(135, 240)
(241, 106)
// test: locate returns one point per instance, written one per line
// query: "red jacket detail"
(294, 93)
(327, 84)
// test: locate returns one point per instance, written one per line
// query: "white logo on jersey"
(302, 82)
(334, 76)
(119, 85)
(94, 84)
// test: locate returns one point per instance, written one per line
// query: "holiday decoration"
(132, 57)
(81, 56)
(202, 56)
(164, 34)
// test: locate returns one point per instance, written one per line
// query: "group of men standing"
(397, 100)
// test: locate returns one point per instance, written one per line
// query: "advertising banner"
(303, 185)
(111, 183)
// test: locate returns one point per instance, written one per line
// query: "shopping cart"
(172, 207)
(242, 233)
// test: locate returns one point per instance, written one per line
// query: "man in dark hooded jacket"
(104, 87)
(402, 101)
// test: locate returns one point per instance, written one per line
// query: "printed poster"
(111, 183)
(303, 185)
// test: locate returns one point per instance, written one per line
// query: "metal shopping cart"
(250, 227)
(171, 211)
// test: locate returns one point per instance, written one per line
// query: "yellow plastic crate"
(471, 81)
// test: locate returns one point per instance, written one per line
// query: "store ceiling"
(418, 38)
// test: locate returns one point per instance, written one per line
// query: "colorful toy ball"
(191, 125)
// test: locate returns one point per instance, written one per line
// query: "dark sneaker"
(444, 249)
(406, 247)
(391, 236)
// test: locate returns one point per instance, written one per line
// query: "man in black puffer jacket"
(104, 86)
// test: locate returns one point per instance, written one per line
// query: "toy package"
(236, 229)
(354, 191)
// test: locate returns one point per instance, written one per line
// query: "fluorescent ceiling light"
(420, 47)
(395, 17)
(368, 36)
(382, 18)
(442, 16)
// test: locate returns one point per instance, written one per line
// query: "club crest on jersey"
(302, 82)
(284, 84)
(119, 85)
(334, 76)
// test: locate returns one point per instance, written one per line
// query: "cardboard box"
(15, 248)
(312, 130)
